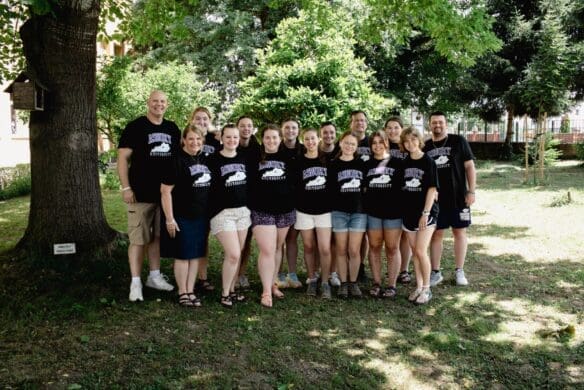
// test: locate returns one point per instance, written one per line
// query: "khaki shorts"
(230, 220)
(143, 222)
(310, 221)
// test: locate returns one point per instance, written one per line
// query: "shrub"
(580, 151)
(111, 181)
(18, 182)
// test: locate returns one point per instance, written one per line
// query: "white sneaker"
(436, 278)
(136, 292)
(460, 278)
(334, 280)
(159, 282)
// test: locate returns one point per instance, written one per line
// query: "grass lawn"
(509, 329)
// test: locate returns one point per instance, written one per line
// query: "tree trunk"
(507, 153)
(66, 204)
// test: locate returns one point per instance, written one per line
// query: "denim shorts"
(349, 222)
(374, 223)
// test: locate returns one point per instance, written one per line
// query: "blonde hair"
(410, 131)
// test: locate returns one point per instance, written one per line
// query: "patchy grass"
(525, 265)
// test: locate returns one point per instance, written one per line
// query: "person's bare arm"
(124, 155)
(471, 178)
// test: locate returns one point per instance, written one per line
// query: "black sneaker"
(312, 287)
(354, 290)
(343, 292)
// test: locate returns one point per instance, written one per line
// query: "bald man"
(147, 144)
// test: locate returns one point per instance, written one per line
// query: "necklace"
(443, 143)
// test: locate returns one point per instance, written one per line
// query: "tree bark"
(66, 204)
(507, 153)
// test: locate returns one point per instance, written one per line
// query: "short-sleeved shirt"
(382, 188)
(153, 147)
(211, 145)
(312, 189)
(450, 154)
(395, 151)
(346, 181)
(229, 183)
(191, 179)
(272, 183)
(419, 176)
(363, 149)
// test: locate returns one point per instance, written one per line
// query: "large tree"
(66, 205)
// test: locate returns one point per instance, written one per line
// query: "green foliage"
(19, 183)
(122, 91)
(111, 180)
(551, 152)
(580, 151)
(309, 71)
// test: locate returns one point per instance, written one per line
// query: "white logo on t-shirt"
(318, 181)
(354, 183)
(162, 148)
(276, 172)
(203, 179)
(383, 179)
(413, 183)
(239, 176)
(441, 160)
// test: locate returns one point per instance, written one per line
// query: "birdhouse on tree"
(27, 94)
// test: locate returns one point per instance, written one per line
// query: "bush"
(580, 151)
(18, 182)
(551, 152)
(112, 181)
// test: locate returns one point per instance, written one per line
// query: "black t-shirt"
(211, 145)
(153, 147)
(450, 154)
(272, 183)
(345, 179)
(395, 152)
(228, 184)
(252, 151)
(192, 180)
(294, 152)
(382, 188)
(419, 176)
(363, 149)
(312, 187)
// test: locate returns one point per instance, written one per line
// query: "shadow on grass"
(481, 336)
(505, 177)
(501, 231)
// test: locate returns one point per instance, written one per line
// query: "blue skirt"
(189, 243)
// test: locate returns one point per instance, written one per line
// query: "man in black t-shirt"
(146, 146)
(457, 176)
(358, 126)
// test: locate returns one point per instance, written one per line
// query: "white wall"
(14, 143)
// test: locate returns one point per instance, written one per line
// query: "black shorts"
(454, 218)
(410, 223)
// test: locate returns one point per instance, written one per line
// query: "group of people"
(361, 193)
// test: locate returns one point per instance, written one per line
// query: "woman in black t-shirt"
(348, 217)
(383, 176)
(393, 128)
(313, 212)
(228, 208)
(420, 208)
(184, 193)
(272, 208)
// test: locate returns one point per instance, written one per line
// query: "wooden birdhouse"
(27, 94)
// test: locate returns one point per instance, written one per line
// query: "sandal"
(266, 300)
(389, 292)
(226, 301)
(376, 291)
(184, 300)
(404, 277)
(276, 292)
(204, 285)
(237, 297)
(195, 301)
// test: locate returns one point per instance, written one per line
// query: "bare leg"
(355, 241)
(266, 237)
(405, 253)
(324, 250)
(460, 247)
(154, 253)
(232, 248)
(292, 249)
(341, 245)
(375, 243)
(135, 259)
(245, 253)
(309, 243)
(181, 270)
(391, 239)
(436, 247)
